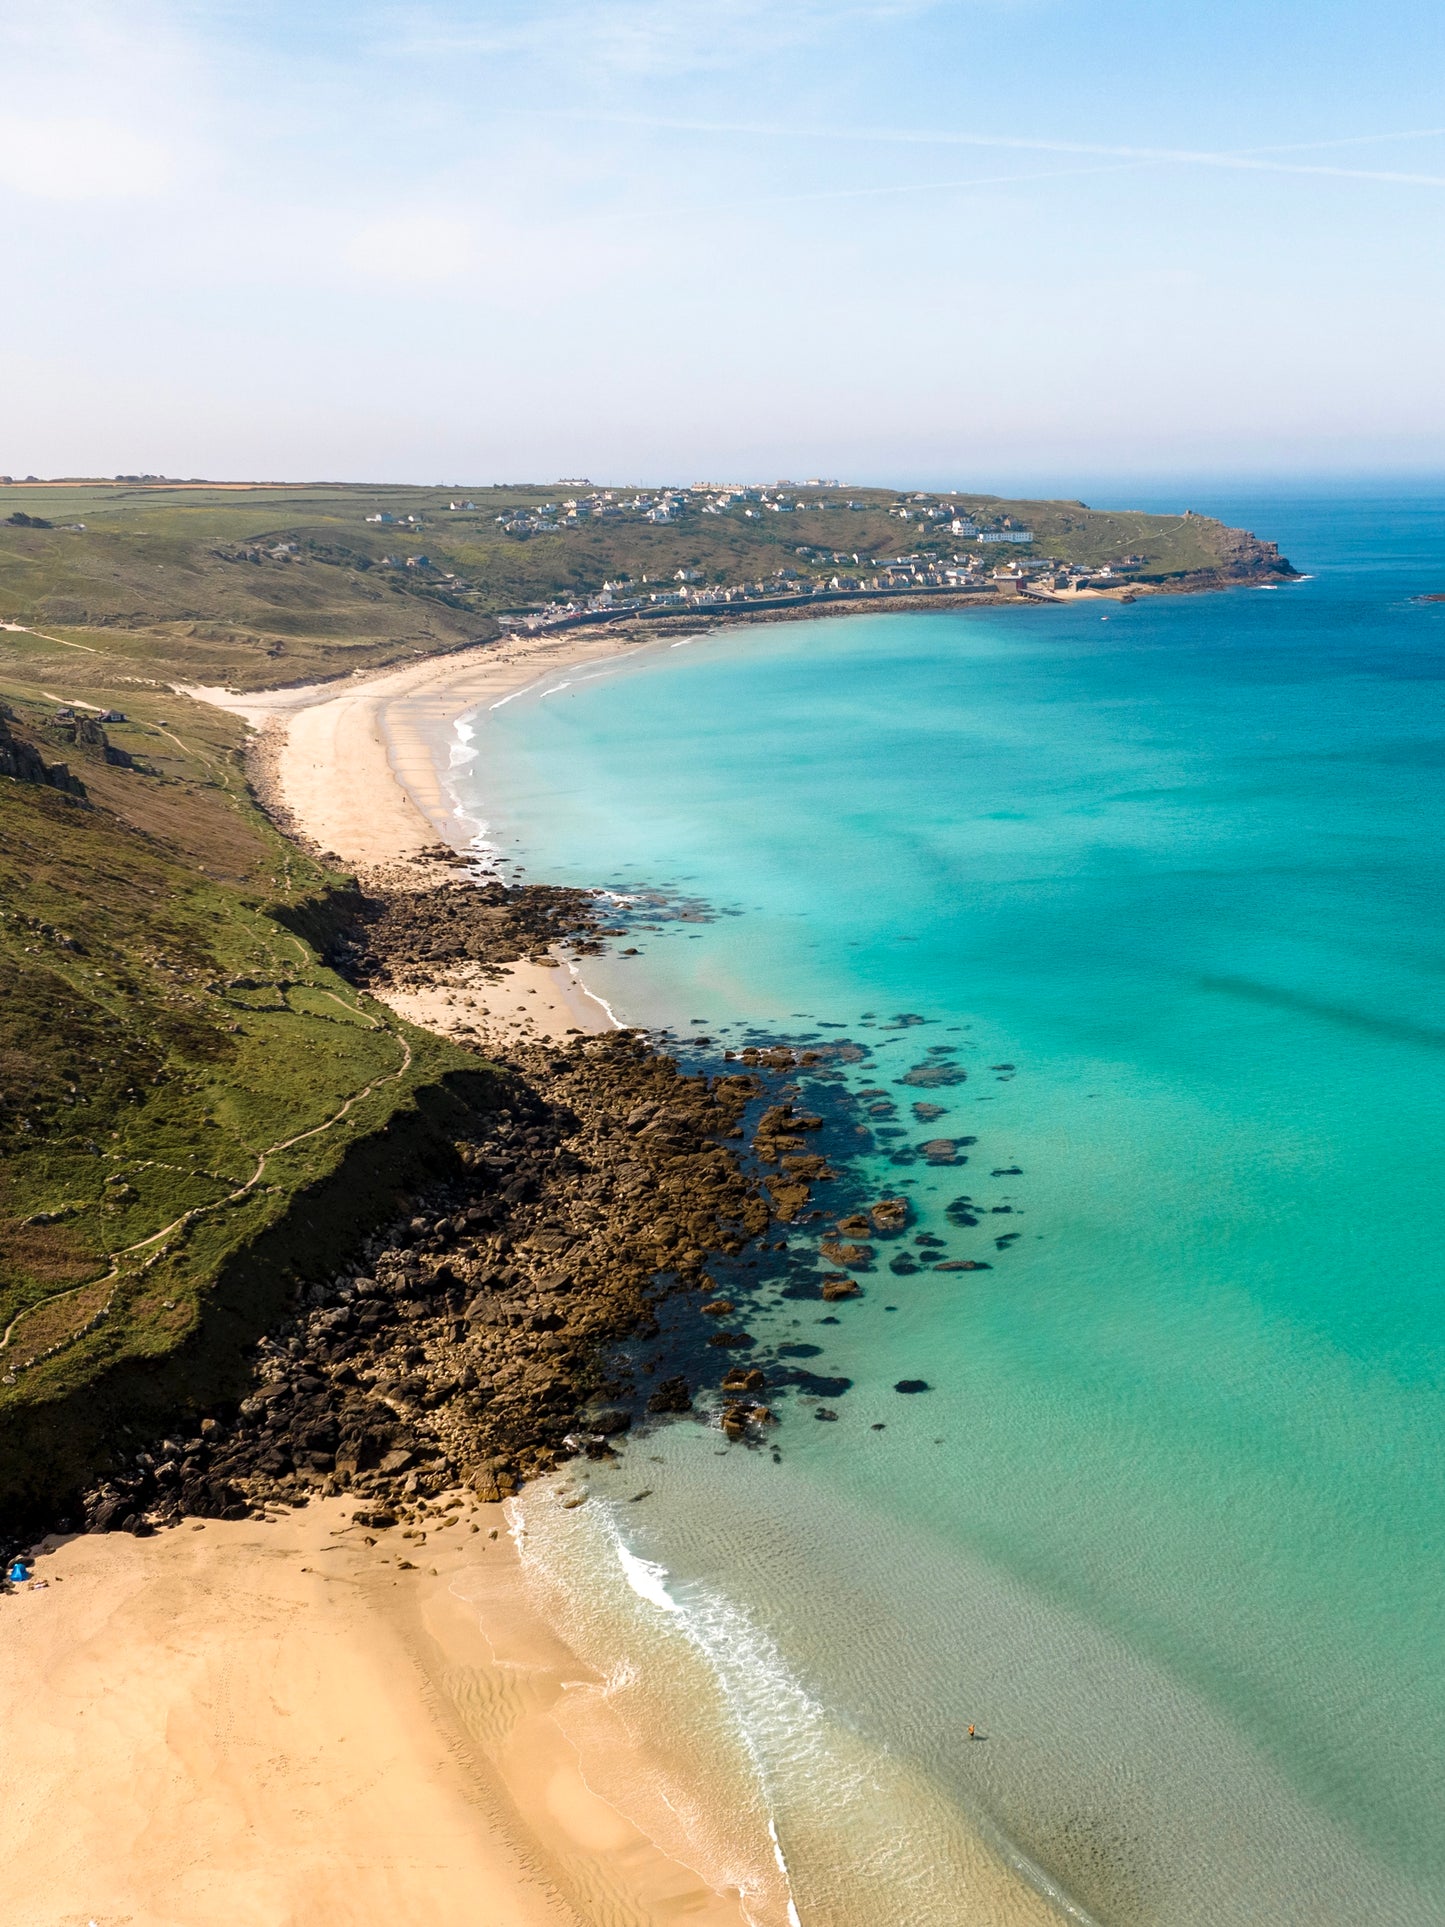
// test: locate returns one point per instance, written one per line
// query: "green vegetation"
(193, 1108)
(256, 586)
(179, 1071)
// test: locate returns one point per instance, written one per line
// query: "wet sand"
(260, 1723)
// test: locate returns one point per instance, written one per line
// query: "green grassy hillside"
(255, 586)
(177, 1066)
(192, 1106)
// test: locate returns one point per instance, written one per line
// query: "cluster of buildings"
(602, 505)
(908, 575)
(832, 573)
(750, 500)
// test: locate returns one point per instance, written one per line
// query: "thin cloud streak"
(1250, 161)
(905, 187)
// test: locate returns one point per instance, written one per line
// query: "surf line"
(646, 1578)
(537, 681)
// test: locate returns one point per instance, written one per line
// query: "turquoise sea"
(1168, 1528)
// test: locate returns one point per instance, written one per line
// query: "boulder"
(672, 1395)
(743, 1378)
(853, 1257)
(941, 1150)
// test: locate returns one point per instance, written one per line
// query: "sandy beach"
(293, 1722)
(356, 769)
(300, 1722)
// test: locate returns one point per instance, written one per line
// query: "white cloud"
(99, 99)
(414, 250)
(82, 158)
(640, 37)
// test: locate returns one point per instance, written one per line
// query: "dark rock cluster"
(409, 931)
(470, 1345)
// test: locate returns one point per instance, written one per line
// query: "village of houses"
(822, 574)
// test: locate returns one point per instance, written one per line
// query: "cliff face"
(1245, 558)
(23, 761)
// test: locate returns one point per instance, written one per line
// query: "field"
(179, 1071)
(256, 586)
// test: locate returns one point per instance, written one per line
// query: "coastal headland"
(330, 1191)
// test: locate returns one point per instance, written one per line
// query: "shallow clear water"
(1169, 1526)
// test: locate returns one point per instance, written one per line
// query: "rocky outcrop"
(86, 733)
(22, 761)
(470, 1346)
(408, 933)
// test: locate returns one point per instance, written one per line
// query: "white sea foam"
(645, 1578)
(612, 1017)
(777, 1721)
(794, 1918)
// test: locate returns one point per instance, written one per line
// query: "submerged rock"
(941, 1150)
(932, 1077)
(854, 1257)
(673, 1395)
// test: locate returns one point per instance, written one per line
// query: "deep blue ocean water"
(1169, 1526)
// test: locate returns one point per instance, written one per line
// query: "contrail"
(1250, 160)
(904, 187)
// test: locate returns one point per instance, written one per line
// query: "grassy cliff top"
(177, 1065)
(252, 586)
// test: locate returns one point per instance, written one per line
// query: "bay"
(1169, 1526)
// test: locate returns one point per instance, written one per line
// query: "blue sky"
(967, 241)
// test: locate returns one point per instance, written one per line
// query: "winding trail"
(24, 629)
(196, 1212)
